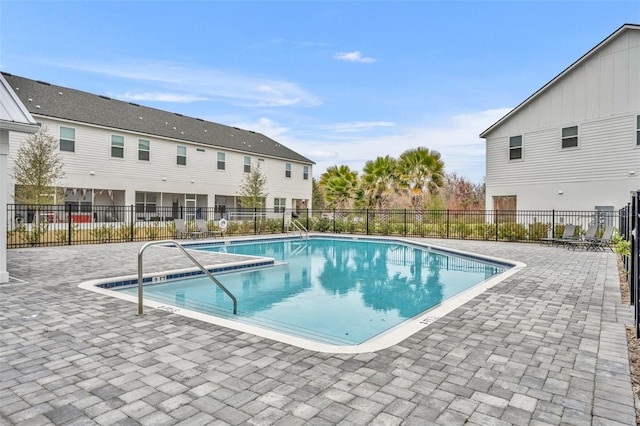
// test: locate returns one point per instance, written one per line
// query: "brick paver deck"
(546, 346)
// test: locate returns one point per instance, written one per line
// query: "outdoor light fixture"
(92, 173)
(560, 192)
(164, 178)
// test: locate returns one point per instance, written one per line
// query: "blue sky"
(339, 82)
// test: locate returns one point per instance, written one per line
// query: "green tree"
(37, 170)
(339, 184)
(377, 181)
(419, 171)
(252, 189)
(317, 195)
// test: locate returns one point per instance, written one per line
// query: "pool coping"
(383, 340)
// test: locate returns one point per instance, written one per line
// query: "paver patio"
(545, 346)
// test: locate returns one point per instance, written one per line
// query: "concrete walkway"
(546, 346)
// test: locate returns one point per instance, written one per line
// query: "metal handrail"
(198, 264)
(300, 228)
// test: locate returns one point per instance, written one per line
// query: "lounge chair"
(567, 235)
(203, 229)
(181, 230)
(594, 243)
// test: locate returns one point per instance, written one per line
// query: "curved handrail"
(202, 268)
(300, 228)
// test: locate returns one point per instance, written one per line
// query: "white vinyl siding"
(132, 175)
(638, 130)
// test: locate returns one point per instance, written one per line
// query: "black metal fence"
(630, 231)
(47, 225)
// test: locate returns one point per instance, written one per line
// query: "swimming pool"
(331, 293)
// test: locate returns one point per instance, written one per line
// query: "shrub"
(538, 230)
(512, 231)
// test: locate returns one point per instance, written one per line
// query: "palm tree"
(419, 171)
(339, 184)
(377, 183)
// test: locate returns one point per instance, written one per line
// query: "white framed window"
(570, 137)
(144, 150)
(221, 161)
(305, 172)
(67, 139)
(287, 170)
(181, 155)
(146, 202)
(247, 164)
(117, 146)
(279, 205)
(515, 147)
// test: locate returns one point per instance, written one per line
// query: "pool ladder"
(300, 228)
(198, 264)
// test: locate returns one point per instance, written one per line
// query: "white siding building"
(575, 143)
(120, 153)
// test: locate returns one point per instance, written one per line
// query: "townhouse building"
(119, 153)
(575, 143)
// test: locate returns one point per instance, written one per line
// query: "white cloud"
(456, 139)
(357, 126)
(162, 97)
(198, 81)
(353, 57)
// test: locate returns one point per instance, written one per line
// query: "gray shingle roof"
(47, 100)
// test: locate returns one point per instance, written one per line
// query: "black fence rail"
(630, 231)
(48, 225)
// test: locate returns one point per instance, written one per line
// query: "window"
(279, 204)
(181, 155)
(570, 137)
(201, 150)
(117, 146)
(144, 147)
(146, 202)
(221, 161)
(67, 139)
(638, 130)
(287, 170)
(515, 147)
(305, 173)
(247, 164)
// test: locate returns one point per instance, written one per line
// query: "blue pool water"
(337, 291)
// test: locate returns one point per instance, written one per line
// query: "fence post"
(404, 231)
(495, 222)
(334, 221)
(68, 224)
(132, 227)
(367, 213)
(553, 223)
(448, 223)
(255, 221)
